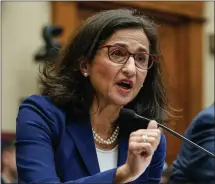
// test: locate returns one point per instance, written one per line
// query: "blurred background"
(186, 34)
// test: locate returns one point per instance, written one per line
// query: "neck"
(102, 118)
(7, 176)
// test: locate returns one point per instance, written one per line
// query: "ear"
(84, 67)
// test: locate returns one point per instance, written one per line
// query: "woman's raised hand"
(142, 145)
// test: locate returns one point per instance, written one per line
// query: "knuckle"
(132, 145)
(139, 131)
(131, 134)
(153, 139)
(148, 146)
(158, 133)
(134, 133)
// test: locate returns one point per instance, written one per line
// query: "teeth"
(125, 82)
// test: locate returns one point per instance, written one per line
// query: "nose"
(129, 68)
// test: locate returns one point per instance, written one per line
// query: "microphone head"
(127, 113)
(134, 121)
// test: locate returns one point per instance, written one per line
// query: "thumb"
(152, 125)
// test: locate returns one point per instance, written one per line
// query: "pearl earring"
(85, 74)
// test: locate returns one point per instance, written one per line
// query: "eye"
(116, 52)
(141, 58)
(117, 55)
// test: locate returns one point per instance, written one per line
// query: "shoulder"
(204, 120)
(37, 110)
(38, 101)
(206, 116)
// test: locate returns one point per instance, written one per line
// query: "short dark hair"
(63, 82)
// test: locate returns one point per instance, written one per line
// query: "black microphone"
(128, 113)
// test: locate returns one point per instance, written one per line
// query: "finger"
(139, 139)
(138, 148)
(151, 132)
(136, 139)
(151, 140)
(152, 125)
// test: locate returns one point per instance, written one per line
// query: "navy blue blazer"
(192, 165)
(48, 149)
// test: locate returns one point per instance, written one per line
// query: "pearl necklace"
(109, 141)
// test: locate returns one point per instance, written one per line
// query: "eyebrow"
(140, 49)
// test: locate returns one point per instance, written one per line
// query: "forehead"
(133, 39)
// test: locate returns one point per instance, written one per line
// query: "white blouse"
(107, 159)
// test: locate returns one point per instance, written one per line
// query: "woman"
(72, 132)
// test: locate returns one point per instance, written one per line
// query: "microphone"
(128, 113)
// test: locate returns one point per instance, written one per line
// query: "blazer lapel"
(83, 138)
(123, 149)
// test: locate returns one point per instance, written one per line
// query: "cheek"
(140, 79)
(102, 74)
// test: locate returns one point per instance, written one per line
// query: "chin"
(121, 101)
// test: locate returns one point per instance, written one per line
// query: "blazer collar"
(123, 148)
(81, 132)
(83, 138)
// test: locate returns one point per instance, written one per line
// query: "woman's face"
(116, 83)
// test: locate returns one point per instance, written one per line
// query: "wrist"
(123, 175)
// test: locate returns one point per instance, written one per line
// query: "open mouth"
(124, 85)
